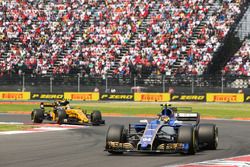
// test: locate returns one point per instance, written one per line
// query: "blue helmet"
(167, 112)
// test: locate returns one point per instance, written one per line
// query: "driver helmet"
(168, 112)
(42, 105)
(165, 118)
(63, 102)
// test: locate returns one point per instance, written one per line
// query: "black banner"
(247, 98)
(117, 96)
(188, 97)
(46, 96)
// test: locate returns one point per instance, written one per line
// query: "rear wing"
(188, 117)
(42, 105)
(177, 109)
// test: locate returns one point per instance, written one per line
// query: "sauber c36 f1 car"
(171, 132)
(61, 112)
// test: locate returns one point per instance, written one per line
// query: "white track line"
(238, 161)
(12, 123)
(41, 128)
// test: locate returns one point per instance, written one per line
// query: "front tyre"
(96, 117)
(61, 115)
(37, 115)
(116, 133)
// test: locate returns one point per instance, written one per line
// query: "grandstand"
(128, 42)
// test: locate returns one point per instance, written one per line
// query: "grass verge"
(15, 127)
(219, 110)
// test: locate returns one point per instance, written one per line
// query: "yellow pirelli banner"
(86, 96)
(152, 97)
(14, 95)
(225, 97)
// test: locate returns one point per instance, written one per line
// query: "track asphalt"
(84, 147)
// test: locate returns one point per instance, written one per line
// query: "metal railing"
(159, 83)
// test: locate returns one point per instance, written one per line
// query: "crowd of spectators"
(239, 65)
(162, 43)
(172, 27)
(87, 36)
(210, 37)
(113, 25)
(45, 29)
(34, 33)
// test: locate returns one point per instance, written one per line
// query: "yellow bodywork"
(53, 116)
(77, 113)
(72, 113)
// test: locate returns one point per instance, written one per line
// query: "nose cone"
(144, 145)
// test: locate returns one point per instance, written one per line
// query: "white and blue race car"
(171, 132)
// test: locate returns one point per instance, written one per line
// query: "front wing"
(102, 122)
(162, 148)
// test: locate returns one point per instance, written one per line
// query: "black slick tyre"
(208, 135)
(61, 114)
(96, 117)
(116, 133)
(186, 134)
(37, 115)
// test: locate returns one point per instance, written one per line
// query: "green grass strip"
(15, 127)
(220, 110)
(17, 107)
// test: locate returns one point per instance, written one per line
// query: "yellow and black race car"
(61, 112)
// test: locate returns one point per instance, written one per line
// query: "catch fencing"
(182, 84)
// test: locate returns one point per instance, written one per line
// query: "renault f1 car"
(171, 132)
(61, 112)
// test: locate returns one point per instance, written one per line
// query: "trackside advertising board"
(47, 96)
(225, 97)
(152, 97)
(14, 95)
(247, 98)
(117, 96)
(188, 97)
(83, 96)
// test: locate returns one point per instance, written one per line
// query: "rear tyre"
(61, 114)
(96, 117)
(208, 134)
(37, 115)
(186, 134)
(116, 133)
